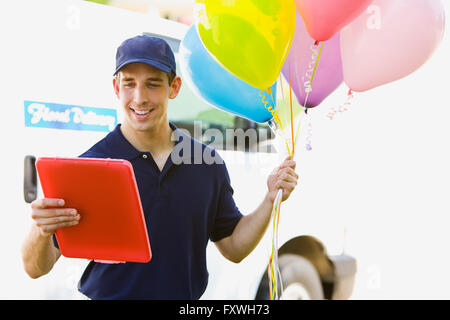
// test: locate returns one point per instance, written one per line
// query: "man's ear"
(116, 84)
(175, 87)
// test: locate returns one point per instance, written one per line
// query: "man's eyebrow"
(155, 79)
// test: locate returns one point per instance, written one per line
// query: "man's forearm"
(250, 230)
(38, 253)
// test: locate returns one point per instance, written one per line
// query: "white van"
(59, 55)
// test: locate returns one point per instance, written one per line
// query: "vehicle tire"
(301, 281)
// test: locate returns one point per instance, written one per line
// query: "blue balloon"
(218, 87)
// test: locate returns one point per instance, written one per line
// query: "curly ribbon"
(310, 73)
(312, 67)
(270, 108)
(276, 118)
(342, 108)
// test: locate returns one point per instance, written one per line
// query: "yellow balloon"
(249, 38)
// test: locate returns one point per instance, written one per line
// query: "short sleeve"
(228, 214)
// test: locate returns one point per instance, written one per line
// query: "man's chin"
(144, 127)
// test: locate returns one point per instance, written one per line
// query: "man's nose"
(140, 95)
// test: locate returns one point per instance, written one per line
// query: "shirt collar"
(123, 149)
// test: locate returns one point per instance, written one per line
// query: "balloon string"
(273, 272)
(307, 84)
(276, 117)
(274, 275)
(317, 62)
(273, 258)
(280, 80)
(273, 126)
(292, 114)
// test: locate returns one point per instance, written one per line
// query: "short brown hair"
(171, 75)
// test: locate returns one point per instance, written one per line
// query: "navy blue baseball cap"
(146, 49)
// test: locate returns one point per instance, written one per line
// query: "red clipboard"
(105, 193)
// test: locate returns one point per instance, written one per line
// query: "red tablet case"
(105, 193)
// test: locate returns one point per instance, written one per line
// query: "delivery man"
(186, 203)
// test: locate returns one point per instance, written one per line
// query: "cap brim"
(152, 63)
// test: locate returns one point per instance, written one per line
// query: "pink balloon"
(324, 18)
(328, 75)
(392, 39)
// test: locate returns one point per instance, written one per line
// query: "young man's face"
(143, 92)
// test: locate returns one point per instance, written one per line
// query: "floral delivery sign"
(69, 117)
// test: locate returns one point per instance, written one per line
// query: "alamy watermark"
(253, 145)
(374, 20)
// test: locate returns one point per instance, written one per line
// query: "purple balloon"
(328, 75)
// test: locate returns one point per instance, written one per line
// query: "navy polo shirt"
(186, 204)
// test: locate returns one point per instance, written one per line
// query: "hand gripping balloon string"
(342, 108)
(273, 271)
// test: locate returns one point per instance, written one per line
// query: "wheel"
(301, 281)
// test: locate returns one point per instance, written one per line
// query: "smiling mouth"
(141, 112)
